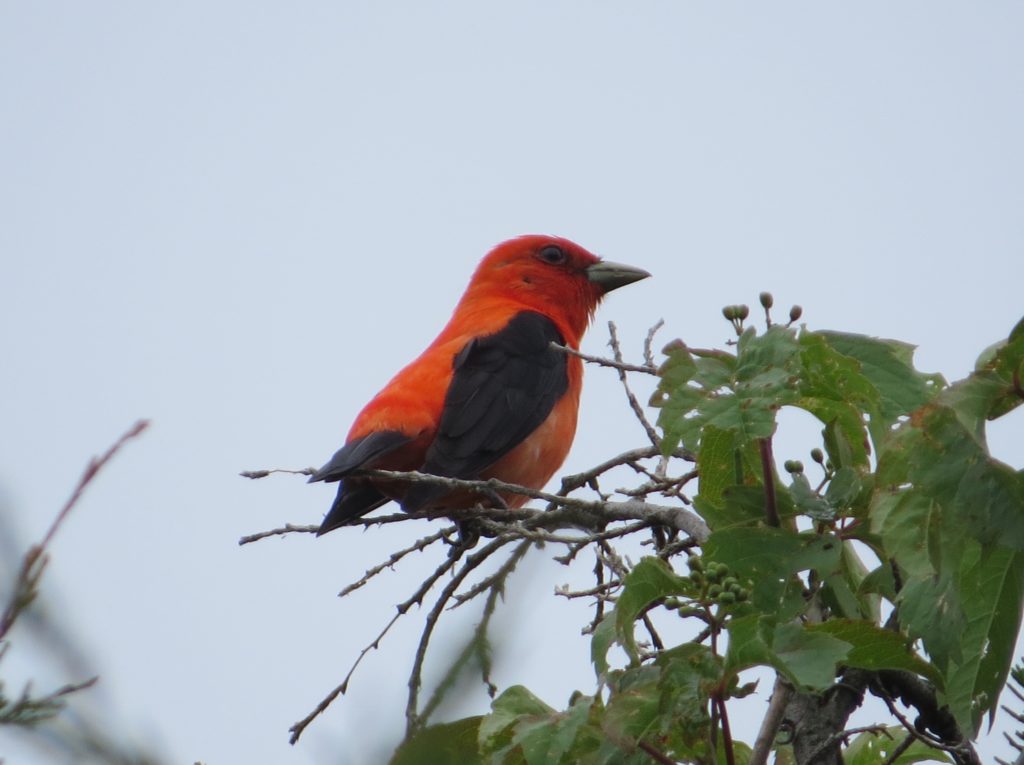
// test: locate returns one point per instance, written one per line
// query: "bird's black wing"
(504, 386)
(356, 497)
(359, 453)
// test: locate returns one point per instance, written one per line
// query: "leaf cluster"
(903, 559)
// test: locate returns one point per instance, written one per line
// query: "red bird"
(490, 397)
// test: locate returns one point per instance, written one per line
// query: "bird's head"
(551, 275)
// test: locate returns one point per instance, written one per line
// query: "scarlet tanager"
(490, 397)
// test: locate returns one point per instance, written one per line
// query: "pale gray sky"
(239, 219)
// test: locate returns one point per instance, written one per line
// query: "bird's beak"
(610, 276)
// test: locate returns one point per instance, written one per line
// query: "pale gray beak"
(610, 276)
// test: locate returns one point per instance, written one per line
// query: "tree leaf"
(992, 585)
(453, 743)
(737, 396)
(600, 643)
(716, 464)
(874, 749)
(808, 659)
(649, 581)
(506, 710)
(872, 647)
(768, 558)
(888, 366)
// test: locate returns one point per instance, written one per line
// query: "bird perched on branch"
(491, 397)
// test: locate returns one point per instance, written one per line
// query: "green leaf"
(931, 609)
(937, 455)
(453, 743)
(649, 581)
(522, 730)
(833, 389)
(750, 640)
(807, 502)
(742, 505)
(874, 648)
(843, 592)
(993, 389)
(544, 742)
(808, 659)
(888, 366)
(874, 749)
(716, 464)
(634, 705)
(604, 636)
(992, 585)
(506, 710)
(735, 396)
(666, 700)
(844, 490)
(880, 581)
(910, 525)
(768, 558)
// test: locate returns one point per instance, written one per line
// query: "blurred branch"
(80, 739)
(35, 559)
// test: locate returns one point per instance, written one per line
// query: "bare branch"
(297, 729)
(288, 528)
(472, 562)
(395, 557)
(649, 341)
(613, 364)
(772, 720)
(579, 480)
(254, 474)
(35, 558)
(571, 510)
(638, 410)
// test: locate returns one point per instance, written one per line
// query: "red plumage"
(490, 397)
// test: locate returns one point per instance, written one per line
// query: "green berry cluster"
(715, 582)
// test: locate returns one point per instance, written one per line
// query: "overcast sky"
(239, 219)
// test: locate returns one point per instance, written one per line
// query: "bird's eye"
(552, 254)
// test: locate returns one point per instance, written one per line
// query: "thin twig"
(598, 590)
(288, 528)
(478, 643)
(254, 474)
(649, 341)
(297, 729)
(638, 410)
(415, 677)
(401, 609)
(962, 752)
(35, 558)
(614, 364)
(657, 755)
(723, 713)
(656, 640)
(578, 480)
(896, 753)
(395, 557)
